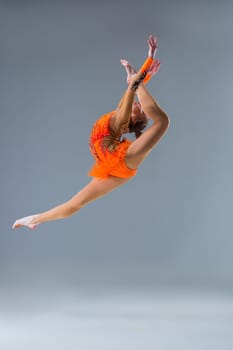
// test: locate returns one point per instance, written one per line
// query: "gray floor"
(123, 319)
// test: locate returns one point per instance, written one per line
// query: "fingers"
(128, 66)
(125, 64)
(130, 70)
(153, 41)
(155, 67)
(153, 45)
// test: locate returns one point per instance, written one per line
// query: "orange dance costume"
(110, 161)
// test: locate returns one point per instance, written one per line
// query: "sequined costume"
(109, 151)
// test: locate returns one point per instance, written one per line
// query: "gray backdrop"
(172, 224)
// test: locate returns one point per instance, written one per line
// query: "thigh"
(96, 189)
(142, 146)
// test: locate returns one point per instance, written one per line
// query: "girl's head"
(138, 120)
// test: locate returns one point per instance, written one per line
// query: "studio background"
(60, 71)
(171, 226)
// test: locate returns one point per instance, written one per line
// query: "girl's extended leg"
(94, 190)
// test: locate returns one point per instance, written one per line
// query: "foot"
(26, 221)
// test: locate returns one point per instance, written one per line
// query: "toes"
(16, 225)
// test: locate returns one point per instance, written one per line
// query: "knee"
(71, 210)
(166, 121)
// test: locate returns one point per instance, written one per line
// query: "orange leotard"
(111, 162)
(108, 162)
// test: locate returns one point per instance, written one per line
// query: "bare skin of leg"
(142, 146)
(97, 188)
(94, 190)
(136, 153)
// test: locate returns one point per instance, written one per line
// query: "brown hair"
(138, 126)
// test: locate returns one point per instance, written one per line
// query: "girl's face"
(137, 118)
(136, 112)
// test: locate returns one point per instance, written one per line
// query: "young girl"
(116, 158)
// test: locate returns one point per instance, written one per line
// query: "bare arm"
(121, 101)
(122, 116)
(149, 105)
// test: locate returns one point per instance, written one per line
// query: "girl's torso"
(108, 150)
(102, 131)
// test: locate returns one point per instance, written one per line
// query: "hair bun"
(137, 133)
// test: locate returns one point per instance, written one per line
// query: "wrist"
(134, 85)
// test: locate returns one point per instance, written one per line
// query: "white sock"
(26, 221)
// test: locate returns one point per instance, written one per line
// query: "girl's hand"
(154, 68)
(136, 79)
(153, 45)
(131, 71)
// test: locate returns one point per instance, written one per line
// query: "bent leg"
(142, 146)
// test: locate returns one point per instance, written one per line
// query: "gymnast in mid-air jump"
(117, 158)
